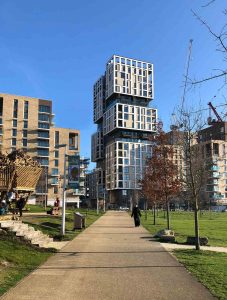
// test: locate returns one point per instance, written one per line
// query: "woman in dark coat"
(136, 214)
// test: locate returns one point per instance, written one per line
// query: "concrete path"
(111, 260)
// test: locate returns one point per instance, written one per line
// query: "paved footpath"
(111, 260)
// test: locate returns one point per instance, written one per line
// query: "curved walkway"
(111, 260)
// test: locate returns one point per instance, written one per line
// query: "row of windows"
(25, 124)
(131, 62)
(44, 118)
(15, 109)
(24, 142)
(44, 108)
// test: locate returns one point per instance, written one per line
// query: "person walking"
(136, 214)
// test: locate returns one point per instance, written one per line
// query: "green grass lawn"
(213, 225)
(17, 259)
(210, 268)
(51, 225)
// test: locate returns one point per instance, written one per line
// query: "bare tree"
(220, 39)
(195, 175)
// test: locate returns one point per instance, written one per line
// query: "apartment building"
(213, 143)
(125, 123)
(27, 123)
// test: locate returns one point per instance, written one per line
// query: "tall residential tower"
(124, 124)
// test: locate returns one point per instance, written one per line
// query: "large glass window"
(1, 106)
(73, 141)
(43, 125)
(56, 154)
(14, 123)
(14, 132)
(56, 163)
(44, 108)
(43, 152)
(25, 142)
(56, 138)
(43, 143)
(25, 109)
(43, 161)
(54, 171)
(25, 133)
(15, 108)
(14, 142)
(43, 134)
(44, 118)
(25, 124)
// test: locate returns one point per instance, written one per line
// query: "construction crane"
(211, 121)
(174, 124)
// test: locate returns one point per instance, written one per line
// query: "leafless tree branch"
(210, 2)
(209, 78)
(220, 37)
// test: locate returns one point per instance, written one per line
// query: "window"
(25, 133)
(126, 161)
(43, 152)
(126, 108)
(56, 163)
(14, 142)
(43, 134)
(126, 169)
(73, 141)
(25, 109)
(25, 142)
(1, 106)
(25, 124)
(43, 161)
(44, 118)
(56, 138)
(56, 154)
(14, 123)
(44, 108)
(43, 125)
(15, 108)
(54, 171)
(126, 116)
(55, 189)
(43, 143)
(14, 132)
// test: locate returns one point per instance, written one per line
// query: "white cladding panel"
(131, 117)
(129, 76)
(125, 164)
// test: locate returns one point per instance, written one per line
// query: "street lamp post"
(64, 190)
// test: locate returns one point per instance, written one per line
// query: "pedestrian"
(136, 214)
(20, 205)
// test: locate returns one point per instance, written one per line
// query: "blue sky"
(56, 50)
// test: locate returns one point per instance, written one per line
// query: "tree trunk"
(154, 215)
(197, 244)
(167, 214)
(145, 204)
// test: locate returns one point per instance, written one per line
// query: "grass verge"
(210, 268)
(17, 259)
(51, 225)
(212, 225)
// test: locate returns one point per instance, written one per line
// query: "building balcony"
(39, 155)
(41, 128)
(42, 147)
(43, 138)
(55, 175)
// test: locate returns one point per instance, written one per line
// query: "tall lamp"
(64, 189)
